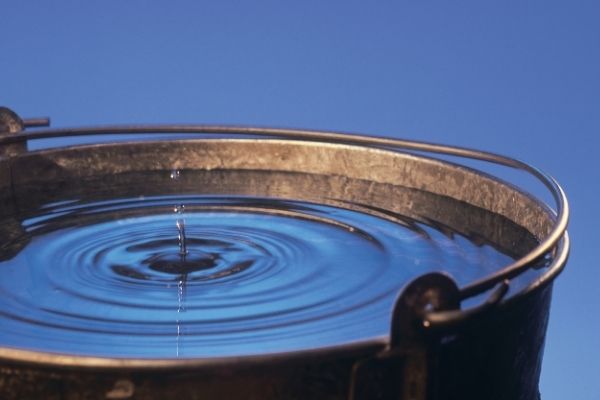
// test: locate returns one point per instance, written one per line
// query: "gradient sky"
(518, 78)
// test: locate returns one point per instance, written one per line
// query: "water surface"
(203, 276)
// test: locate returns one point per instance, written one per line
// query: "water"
(182, 265)
(205, 276)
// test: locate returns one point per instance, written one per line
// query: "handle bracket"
(405, 369)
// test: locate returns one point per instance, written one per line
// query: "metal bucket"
(480, 339)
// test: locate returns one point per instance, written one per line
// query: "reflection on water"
(229, 276)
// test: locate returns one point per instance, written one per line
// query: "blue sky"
(519, 78)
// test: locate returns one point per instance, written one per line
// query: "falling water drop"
(180, 309)
(179, 209)
(181, 239)
(180, 294)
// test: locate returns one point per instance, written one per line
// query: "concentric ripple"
(203, 276)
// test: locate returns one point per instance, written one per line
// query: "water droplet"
(175, 174)
(180, 309)
(180, 295)
(181, 238)
(179, 209)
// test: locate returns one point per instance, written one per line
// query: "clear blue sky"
(520, 78)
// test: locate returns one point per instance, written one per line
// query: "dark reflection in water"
(230, 276)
